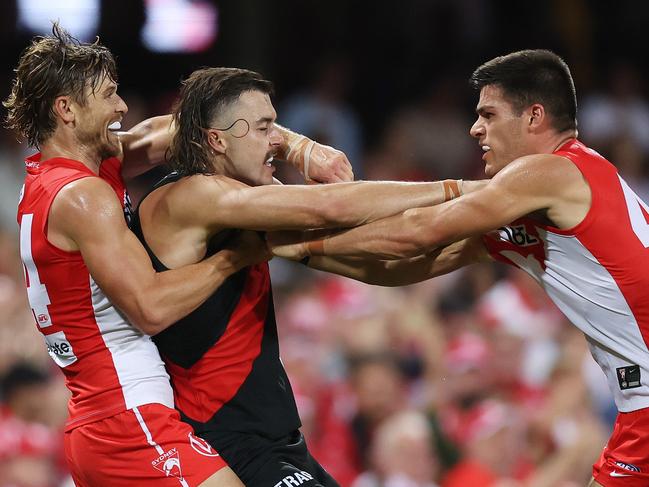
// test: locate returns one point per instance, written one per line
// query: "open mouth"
(269, 162)
(115, 127)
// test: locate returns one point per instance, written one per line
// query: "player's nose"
(477, 129)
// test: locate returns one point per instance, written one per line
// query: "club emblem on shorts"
(169, 463)
(628, 377)
(201, 446)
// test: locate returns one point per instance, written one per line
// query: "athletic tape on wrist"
(307, 158)
(292, 146)
(315, 247)
(451, 189)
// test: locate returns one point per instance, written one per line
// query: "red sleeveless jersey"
(108, 364)
(596, 273)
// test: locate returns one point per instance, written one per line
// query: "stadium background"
(472, 374)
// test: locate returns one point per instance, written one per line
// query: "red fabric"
(627, 450)
(117, 452)
(229, 362)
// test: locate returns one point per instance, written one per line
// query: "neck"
(555, 141)
(57, 146)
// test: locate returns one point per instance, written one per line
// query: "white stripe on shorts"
(150, 441)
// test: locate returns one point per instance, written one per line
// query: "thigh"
(148, 445)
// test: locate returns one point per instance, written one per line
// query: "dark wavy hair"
(53, 66)
(205, 95)
(533, 76)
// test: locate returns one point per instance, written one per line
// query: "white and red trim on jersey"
(596, 273)
(109, 365)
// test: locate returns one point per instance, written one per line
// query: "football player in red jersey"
(88, 278)
(554, 208)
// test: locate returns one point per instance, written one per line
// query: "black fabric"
(263, 404)
(258, 462)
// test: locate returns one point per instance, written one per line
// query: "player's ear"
(65, 108)
(217, 142)
(536, 115)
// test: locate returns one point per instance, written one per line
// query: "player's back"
(109, 365)
(596, 272)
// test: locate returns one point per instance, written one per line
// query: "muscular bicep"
(89, 214)
(226, 203)
(518, 190)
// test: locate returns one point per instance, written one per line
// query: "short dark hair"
(533, 76)
(53, 66)
(205, 95)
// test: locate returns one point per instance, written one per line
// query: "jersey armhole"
(588, 218)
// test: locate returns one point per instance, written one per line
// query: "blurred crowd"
(471, 379)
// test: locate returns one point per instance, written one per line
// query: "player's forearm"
(390, 238)
(374, 200)
(174, 294)
(400, 272)
(145, 144)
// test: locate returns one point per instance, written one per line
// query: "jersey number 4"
(638, 213)
(39, 300)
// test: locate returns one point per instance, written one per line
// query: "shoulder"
(543, 172)
(200, 186)
(90, 193)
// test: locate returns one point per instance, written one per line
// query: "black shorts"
(260, 462)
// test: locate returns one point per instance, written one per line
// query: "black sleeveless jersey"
(223, 357)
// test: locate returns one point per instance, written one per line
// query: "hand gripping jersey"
(223, 357)
(108, 364)
(597, 273)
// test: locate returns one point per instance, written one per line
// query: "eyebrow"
(110, 87)
(484, 108)
(265, 120)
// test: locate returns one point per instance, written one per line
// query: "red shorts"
(625, 459)
(146, 445)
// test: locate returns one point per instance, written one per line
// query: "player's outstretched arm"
(316, 162)
(405, 271)
(144, 145)
(87, 216)
(218, 201)
(541, 182)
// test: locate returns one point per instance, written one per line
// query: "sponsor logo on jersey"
(628, 377)
(201, 446)
(60, 349)
(518, 235)
(295, 479)
(169, 464)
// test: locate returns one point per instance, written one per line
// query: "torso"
(595, 272)
(109, 365)
(223, 358)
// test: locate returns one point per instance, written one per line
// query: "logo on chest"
(518, 235)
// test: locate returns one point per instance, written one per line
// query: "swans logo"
(201, 446)
(169, 464)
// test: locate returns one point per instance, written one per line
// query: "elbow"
(148, 319)
(333, 213)
(418, 235)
